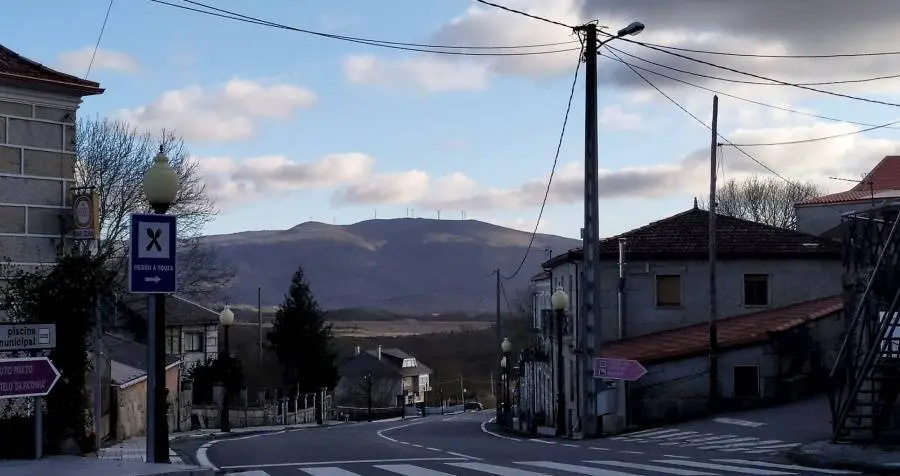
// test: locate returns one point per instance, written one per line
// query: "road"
(465, 445)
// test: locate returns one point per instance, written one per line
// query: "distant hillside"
(404, 265)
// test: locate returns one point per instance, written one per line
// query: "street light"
(560, 301)
(161, 186)
(226, 318)
(633, 29)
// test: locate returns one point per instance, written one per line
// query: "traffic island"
(870, 459)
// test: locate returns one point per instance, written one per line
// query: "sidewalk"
(79, 466)
(866, 458)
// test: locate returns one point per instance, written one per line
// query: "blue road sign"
(152, 263)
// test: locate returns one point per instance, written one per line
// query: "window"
(756, 290)
(746, 381)
(173, 340)
(668, 290)
(193, 342)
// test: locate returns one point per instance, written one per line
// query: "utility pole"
(713, 331)
(259, 324)
(369, 397)
(462, 391)
(589, 344)
(498, 325)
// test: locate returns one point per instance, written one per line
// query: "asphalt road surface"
(466, 445)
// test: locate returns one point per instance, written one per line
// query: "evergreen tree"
(303, 340)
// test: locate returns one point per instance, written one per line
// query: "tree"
(206, 375)
(303, 341)
(113, 157)
(384, 392)
(764, 200)
(65, 295)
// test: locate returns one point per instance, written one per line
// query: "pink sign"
(618, 369)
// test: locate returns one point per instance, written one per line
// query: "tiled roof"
(18, 69)
(736, 331)
(395, 357)
(686, 236)
(880, 182)
(179, 311)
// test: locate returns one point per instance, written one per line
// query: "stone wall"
(37, 169)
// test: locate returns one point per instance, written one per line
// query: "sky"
(289, 127)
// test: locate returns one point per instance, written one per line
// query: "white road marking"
(792, 467)
(543, 441)
(332, 463)
(250, 473)
(497, 470)
(432, 449)
(721, 467)
(652, 467)
(202, 458)
(574, 468)
(632, 452)
(571, 445)
(676, 456)
(735, 421)
(680, 434)
(411, 470)
(777, 447)
(722, 444)
(328, 471)
(747, 446)
(461, 455)
(644, 434)
(599, 448)
(489, 432)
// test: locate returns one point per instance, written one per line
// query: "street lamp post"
(560, 301)
(161, 186)
(226, 318)
(506, 347)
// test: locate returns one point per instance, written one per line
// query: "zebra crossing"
(670, 465)
(708, 441)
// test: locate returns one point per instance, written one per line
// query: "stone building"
(38, 107)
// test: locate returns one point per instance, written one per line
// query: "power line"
(416, 47)
(700, 121)
(739, 98)
(99, 37)
(757, 76)
(751, 55)
(818, 139)
(759, 83)
(562, 135)
(529, 15)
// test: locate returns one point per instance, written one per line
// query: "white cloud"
(429, 74)
(847, 156)
(76, 62)
(617, 118)
(228, 113)
(229, 180)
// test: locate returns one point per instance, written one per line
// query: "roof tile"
(735, 331)
(16, 67)
(884, 177)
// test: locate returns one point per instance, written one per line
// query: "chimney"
(379, 351)
(357, 350)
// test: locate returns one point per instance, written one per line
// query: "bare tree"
(112, 157)
(764, 200)
(355, 391)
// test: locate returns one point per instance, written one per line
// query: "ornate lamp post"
(161, 186)
(226, 318)
(506, 347)
(560, 301)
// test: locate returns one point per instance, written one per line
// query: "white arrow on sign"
(154, 280)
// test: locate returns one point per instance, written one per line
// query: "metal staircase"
(865, 378)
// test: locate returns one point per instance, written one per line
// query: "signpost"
(27, 377)
(152, 263)
(618, 369)
(27, 337)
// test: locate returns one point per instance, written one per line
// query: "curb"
(220, 435)
(799, 456)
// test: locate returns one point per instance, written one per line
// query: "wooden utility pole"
(713, 331)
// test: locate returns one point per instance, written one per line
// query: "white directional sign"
(27, 337)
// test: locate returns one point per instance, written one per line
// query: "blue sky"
(298, 99)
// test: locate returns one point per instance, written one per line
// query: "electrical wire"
(529, 15)
(817, 139)
(99, 37)
(506, 298)
(758, 83)
(758, 76)
(701, 122)
(416, 47)
(739, 98)
(751, 55)
(562, 135)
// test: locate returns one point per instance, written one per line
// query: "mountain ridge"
(399, 265)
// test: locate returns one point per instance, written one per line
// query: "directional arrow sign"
(152, 266)
(27, 377)
(618, 369)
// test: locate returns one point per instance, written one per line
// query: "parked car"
(477, 406)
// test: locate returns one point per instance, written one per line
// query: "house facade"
(38, 108)
(822, 215)
(389, 377)
(663, 285)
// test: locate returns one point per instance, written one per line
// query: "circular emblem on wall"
(83, 218)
